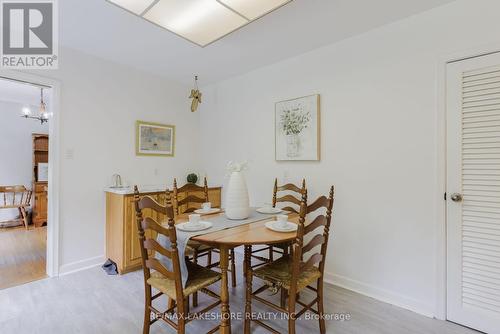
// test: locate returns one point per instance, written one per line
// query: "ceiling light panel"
(135, 6)
(253, 9)
(200, 21)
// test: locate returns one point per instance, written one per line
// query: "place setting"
(268, 208)
(194, 224)
(206, 209)
(281, 224)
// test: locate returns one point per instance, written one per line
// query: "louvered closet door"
(473, 193)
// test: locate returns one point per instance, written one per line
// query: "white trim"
(383, 295)
(53, 236)
(441, 256)
(76, 266)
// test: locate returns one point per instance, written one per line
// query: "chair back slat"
(321, 202)
(148, 202)
(154, 264)
(153, 245)
(290, 187)
(149, 223)
(289, 209)
(292, 194)
(184, 198)
(315, 258)
(15, 196)
(191, 199)
(289, 198)
(316, 223)
(145, 227)
(318, 240)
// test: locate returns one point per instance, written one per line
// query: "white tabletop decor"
(237, 202)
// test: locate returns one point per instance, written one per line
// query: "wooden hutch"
(40, 188)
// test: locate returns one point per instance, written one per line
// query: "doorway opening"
(25, 111)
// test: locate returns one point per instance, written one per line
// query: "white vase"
(237, 202)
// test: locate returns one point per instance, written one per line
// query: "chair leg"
(291, 313)
(181, 322)
(195, 295)
(322, 325)
(271, 253)
(171, 303)
(233, 269)
(186, 306)
(248, 292)
(26, 222)
(147, 311)
(283, 298)
(23, 216)
(209, 258)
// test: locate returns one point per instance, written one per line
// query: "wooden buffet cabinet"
(40, 188)
(122, 241)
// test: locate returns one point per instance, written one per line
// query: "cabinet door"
(132, 249)
(40, 208)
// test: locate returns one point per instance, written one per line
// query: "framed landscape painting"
(155, 139)
(297, 129)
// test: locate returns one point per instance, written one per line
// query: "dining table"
(247, 235)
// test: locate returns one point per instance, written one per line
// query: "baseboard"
(380, 294)
(73, 267)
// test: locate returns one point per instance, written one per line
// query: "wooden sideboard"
(122, 241)
(40, 187)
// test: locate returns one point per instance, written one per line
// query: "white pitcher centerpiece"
(237, 201)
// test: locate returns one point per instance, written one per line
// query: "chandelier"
(42, 116)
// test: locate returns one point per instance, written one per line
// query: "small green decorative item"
(192, 178)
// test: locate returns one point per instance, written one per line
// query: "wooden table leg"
(225, 326)
(248, 288)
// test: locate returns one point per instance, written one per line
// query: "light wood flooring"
(22, 255)
(92, 302)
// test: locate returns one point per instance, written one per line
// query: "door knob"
(456, 197)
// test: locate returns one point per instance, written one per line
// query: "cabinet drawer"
(40, 187)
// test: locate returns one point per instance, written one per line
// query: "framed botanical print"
(154, 139)
(297, 129)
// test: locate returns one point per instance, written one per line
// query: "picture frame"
(297, 129)
(154, 139)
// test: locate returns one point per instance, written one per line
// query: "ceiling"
(99, 28)
(22, 93)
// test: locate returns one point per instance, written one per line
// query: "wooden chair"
(16, 197)
(292, 198)
(292, 273)
(186, 199)
(168, 282)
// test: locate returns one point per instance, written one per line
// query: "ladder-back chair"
(16, 197)
(168, 281)
(290, 196)
(292, 273)
(187, 199)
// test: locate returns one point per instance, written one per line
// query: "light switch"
(69, 154)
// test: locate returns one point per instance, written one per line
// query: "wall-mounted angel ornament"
(195, 95)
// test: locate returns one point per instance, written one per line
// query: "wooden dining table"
(247, 235)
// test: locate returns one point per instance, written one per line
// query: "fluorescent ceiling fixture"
(135, 6)
(253, 9)
(200, 21)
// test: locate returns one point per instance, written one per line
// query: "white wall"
(379, 111)
(16, 149)
(100, 102)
